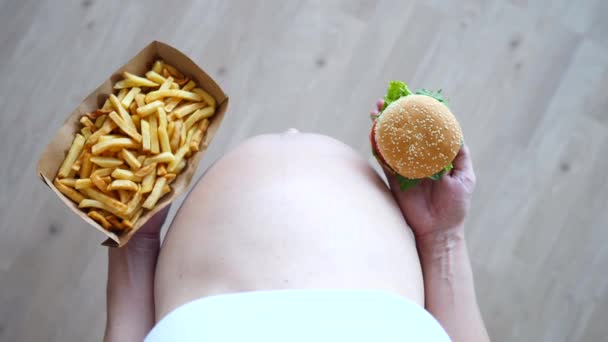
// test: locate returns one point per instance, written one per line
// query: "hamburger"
(415, 136)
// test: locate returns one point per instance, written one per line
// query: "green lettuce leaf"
(437, 95)
(438, 175)
(406, 183)
(396, 90)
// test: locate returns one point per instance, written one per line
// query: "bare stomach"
(289, 211)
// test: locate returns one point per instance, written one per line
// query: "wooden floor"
(528, 80)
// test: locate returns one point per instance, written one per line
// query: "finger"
(463, 165)
(379, 104)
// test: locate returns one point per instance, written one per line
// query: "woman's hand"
(151, 230)
(436, 206)
(130, 288)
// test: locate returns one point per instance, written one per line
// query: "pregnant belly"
(302, 211)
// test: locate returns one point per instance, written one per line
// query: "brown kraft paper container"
(55, 151)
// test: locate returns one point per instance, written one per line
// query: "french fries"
(126, 154)
(70, 159)
(181, 94)
(186, 109)
(155, 194)
(95, 215)
(130, 159)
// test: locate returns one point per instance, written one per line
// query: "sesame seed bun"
(417, 136)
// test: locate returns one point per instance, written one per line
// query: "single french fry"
(109, 137)
(103, 172)
(119, 143)
(141, 159)
(183, 135)
(189, 86)
(121, 94)
(129, 130)
(76, 165)
(140, 100)
(161, 114)
(86, 132)
(107, 179)
(85, 168)
(86, 122)
(181, 81)
(136, 121)
(173, 71)
(149, 108)
(131, 221)
(205, 96)
(83, 183)
(98, 113)
(148, 182)
(139, 81)
(126, 175)
(106, 105)
(71, 182)
(190, 134)
(180, 166)
(106, 161)
(200, 114)
(137, 215)
(114, 206)
(124, 115)
(124, 195)
(154, 147)
(179, 155)
(155, 77)
(68, 192)
(182, 94)
(166, 84)
(170, 126)
(116, 224)
(145, 134)
(175, 138)
(174, 85)
(95, 215)
(72, 156)
(125, 84)
(172, 102)
(155, 194)
(171, 176)
(99, 183)
(165, 157)
(123, 184)
(166, 190)
(198, 135)
(126, 101)
(130, 159)
(91, 203)
(158, 66)
(161, 170)
(135, 202)
(163, 139)
(142, 172)
(105, 129)
(188, 108)
(100, 120)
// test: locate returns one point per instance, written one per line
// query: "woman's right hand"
(437, 206)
